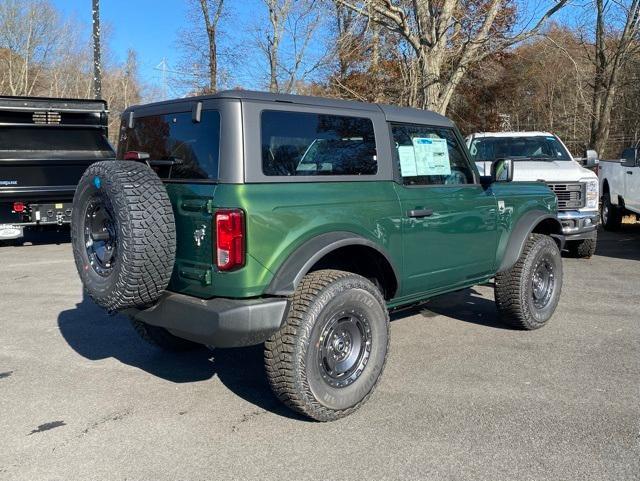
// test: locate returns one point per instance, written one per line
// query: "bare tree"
(27, 39)
(294, 22)
(447, 37)
(211, 12)
(612, 52)
(200, 69)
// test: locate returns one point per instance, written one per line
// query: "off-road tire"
(291, 354)
(514, 288)
(143, 228)
(160, 337)
(582, 249)
(610, 214)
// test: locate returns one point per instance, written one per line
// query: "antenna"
(162, 66)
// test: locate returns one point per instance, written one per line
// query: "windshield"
(527, 148)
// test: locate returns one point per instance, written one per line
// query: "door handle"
(420, 213)
(630, 172)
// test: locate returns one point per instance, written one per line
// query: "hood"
(549, 171)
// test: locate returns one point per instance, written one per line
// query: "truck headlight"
(591, 188)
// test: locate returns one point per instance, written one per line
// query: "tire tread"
(282, 361)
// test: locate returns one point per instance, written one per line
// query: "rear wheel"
(610, 214)
(527, 294)
(583, 249)
(328, 357)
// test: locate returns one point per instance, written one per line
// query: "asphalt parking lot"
(82, 397)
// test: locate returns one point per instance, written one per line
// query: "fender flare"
(303, 258)
(525, 226)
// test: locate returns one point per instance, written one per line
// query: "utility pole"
(97, 68)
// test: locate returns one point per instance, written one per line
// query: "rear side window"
(193, 146)
(296, 143)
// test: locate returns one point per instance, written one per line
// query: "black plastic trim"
(304, 257)
(520, 233)
(592, 234)
(218, 322)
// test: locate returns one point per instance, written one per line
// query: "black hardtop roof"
(50, 103)
(392, 113)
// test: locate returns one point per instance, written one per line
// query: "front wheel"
(328, 357)
(528, 293)
(610, 214)
(582, 249)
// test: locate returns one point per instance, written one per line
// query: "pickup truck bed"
(45, 147)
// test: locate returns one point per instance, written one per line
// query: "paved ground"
(81, 397)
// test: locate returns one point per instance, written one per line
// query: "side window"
(430, 156)
(297, 143)
(194, 146)
(628, 155)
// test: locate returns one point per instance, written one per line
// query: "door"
(631, 179)
(449, 219)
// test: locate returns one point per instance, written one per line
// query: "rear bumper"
(576, 223)
(56, 212)
(217, 322)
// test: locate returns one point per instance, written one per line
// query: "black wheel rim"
(100, 237)
(344, 348)
(542, 283)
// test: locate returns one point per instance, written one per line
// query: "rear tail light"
(18, 207)
(135, 155)
(230, 233)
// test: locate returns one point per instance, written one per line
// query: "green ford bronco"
(244, 218)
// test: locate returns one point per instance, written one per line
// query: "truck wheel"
(528, 293)
(123, 234)
(160, 337)
(328, 357)
(610, 214)
(583, 249)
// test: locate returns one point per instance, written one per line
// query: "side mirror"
(502, 170)
(592, 158)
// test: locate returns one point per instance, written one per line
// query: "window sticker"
(407, 161)
(431, 156)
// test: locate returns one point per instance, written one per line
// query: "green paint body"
(462, 244)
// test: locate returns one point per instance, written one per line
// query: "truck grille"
(570, 196)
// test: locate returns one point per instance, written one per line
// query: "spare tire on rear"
(123, 234)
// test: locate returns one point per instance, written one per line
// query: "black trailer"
(45, 146)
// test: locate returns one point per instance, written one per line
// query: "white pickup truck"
(541, 156)
(620, 187)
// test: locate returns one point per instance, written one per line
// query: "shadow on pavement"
(621, 244)
(96, 335)
(467, 305)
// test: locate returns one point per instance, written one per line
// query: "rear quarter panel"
(283, 216)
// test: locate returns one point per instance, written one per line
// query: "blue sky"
(149, 27)
(152, 28)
